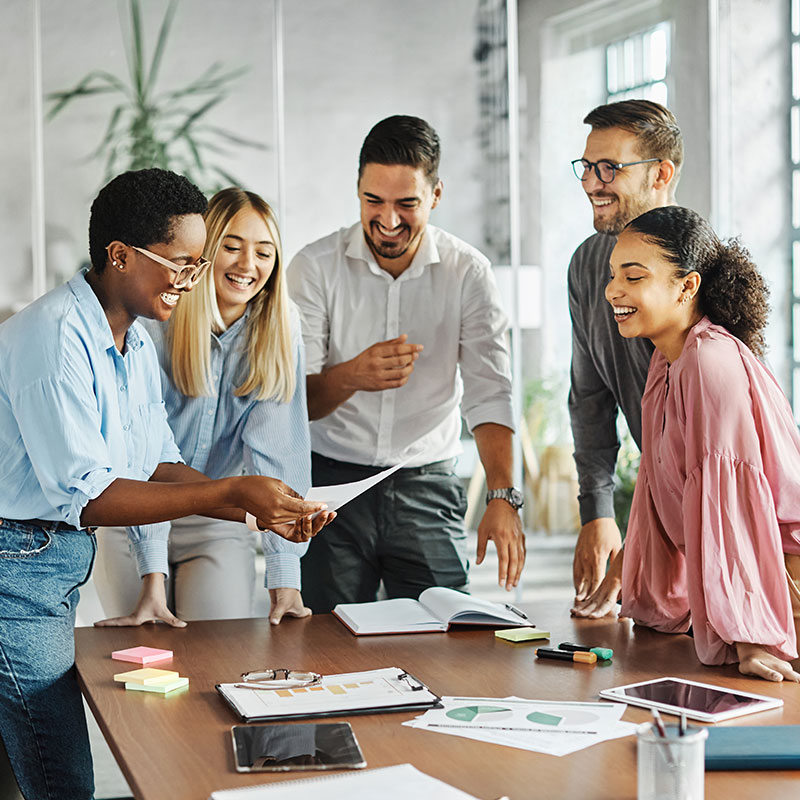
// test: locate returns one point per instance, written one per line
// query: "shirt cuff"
(85, 489)
(151, 556)
(594, 506)
(283, 571)
(499, 412)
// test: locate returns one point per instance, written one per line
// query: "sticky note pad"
(165, 687)
(521, 634)
(145, 676)
(142, 655)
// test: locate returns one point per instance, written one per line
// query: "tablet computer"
(700, 701)
(281, 748)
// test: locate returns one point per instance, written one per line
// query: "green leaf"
(137, 50)
(111, 130)
(161, 43)
(194, 150)
(197, 113)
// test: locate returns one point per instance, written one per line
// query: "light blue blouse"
(224, 435)
(75, 414)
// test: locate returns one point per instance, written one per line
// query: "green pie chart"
(479, 713)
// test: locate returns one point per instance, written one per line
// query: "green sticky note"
(165, 687)
(521, 634)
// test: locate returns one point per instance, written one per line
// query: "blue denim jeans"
(42, 721)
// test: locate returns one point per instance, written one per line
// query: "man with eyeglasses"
(630, 165)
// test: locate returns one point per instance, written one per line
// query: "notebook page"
(388, 783)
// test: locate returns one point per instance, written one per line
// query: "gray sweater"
(608, 373)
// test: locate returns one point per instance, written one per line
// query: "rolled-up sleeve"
(62, 433)
(483, 355)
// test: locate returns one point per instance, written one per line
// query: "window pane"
(658, 93)
(611, 69)
(796, 17)
(658, 54)
(796, 270)
(796, 70)
(795, 134)
(796, 200)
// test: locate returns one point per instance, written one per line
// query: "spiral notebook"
(388, 783)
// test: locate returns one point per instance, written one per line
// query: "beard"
(388, 249)
(628, 208)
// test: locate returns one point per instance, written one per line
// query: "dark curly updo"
(732, 291)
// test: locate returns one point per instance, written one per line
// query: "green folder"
(753, 747)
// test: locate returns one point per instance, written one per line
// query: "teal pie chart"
(483, 714)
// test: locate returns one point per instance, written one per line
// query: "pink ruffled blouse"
(717, 501)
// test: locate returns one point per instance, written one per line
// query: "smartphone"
(302, 746)
(700, 701)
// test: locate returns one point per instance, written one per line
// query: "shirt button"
(126, 427)
(123, 387)
(210, 412)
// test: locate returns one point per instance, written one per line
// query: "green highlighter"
(602, 653)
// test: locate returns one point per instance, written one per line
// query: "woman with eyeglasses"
(233, 377)
(714, 532)
(85, 442)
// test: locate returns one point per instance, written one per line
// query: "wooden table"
(179, 747)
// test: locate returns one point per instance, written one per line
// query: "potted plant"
(153, 127)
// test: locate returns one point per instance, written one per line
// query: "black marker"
(603, 653)
(565, 655)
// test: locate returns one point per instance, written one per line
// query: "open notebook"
(388, 783)
(435, 611)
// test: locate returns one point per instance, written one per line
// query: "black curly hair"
(139, 208)
(732, 291)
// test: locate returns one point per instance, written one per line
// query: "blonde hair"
(270, 355)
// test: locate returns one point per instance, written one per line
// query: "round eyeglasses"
(279, 679)
(604, 169)
(187, 275)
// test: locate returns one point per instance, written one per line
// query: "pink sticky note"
(142, 655)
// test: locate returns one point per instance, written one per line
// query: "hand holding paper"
(337, 496)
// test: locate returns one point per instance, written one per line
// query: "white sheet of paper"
(557, 728)
(336, 496)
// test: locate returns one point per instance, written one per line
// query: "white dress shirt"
(447, 301)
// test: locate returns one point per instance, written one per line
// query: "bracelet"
(252, 523)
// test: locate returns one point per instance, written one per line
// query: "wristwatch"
(511, 495)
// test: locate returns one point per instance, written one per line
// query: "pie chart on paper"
(480, 713)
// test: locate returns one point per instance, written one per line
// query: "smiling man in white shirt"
(404, 333)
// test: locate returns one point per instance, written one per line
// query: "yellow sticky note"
(521, 634)
(145, 676)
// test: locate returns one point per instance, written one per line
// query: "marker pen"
(565, 655)
(603, 653)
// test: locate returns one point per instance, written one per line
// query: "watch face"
(516, 498)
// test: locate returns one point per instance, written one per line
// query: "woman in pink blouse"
(714, 533)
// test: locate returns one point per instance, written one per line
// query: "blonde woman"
(233, 378)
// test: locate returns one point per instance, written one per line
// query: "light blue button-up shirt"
(75, 414)
(223, 435)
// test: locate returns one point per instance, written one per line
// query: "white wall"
(350, 64)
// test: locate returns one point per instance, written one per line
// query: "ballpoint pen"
(516, 610)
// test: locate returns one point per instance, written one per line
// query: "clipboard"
(372, 692)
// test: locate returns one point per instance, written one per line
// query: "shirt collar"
(357, 248)
(90, 306)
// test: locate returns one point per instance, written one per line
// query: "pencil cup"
(671, 767)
